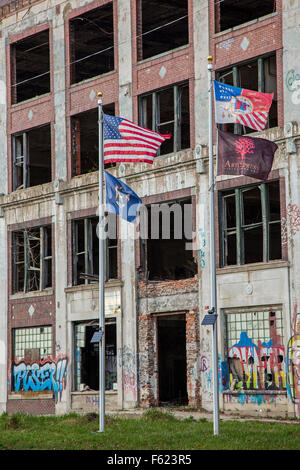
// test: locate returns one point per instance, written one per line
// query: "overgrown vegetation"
(155, 430)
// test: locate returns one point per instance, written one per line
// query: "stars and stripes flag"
(124, 141)
(238, 105)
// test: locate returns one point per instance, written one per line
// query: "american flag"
(124, 141)
(239, 105)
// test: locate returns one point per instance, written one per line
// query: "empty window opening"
(87, 357)
(86, 250)
(167, 250)
(30, 67)
(258, 75)
(85, 144)
(255, 349)
(162, 26)
(172, 370)
(31, 151)
(251, 227)
(92, 44)
(231, 13)
(32, 259)
(167, 112)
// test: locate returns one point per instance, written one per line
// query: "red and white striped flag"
(247, 107)
(124, 141)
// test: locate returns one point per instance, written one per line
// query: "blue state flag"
(120, 199)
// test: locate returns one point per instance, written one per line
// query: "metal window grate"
(257, 324)
(37, 338)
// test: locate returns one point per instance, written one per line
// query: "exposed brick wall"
(147, 392)
(161, 288)
(32, 407)
(192, 354)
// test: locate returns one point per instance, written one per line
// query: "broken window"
(255, 349)
(167, 252)
(86, 250)
(87, 356)
(31, 153)
(231, 13)
(92, 43)
(30, 59)
(167, 112)
(32, 259)
(258, 75)
(161, 26)
(85, 144)
(250, 224)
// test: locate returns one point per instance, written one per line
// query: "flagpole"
(101, 272)
(213, 308)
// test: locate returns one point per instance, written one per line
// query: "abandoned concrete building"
(149, 59)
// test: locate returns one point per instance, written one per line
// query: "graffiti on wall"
(50, 374)
(256, 366)
(293, 362)
(202, 245)
(290, 222)
(292, 82)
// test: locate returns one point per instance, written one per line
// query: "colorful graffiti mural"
(50, 374)
(256, 366)
(293, 363)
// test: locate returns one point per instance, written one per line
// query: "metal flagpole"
(212, 250)
(101, 273)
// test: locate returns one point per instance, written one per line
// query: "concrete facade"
(135, 304)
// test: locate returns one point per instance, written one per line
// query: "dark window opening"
(258, 75)
(32, 259)
(87, 357)
(167, 250)
(167, 112)
(30, 67)
(92, 44)
(85, 153)
(162, 26)
(231, 13)
(251, 227)
(31, 153)
(85, 250)
(172, 370)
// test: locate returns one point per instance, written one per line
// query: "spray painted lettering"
(37, 376)
(257, 367)
(293, 85)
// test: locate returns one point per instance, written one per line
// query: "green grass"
(155, 430)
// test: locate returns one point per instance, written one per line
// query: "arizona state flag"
(248, 156)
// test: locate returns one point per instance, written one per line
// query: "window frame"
(240, 228)
(177, 113)
(44, 258)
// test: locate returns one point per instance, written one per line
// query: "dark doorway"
(171, 333)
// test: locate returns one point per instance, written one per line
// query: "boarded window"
(30, 67)
(92, 43)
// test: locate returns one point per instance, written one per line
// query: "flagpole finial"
(100, 94)
(210, 59)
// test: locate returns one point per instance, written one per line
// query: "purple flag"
(248, 156)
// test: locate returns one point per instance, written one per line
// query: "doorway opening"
(172, 371)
